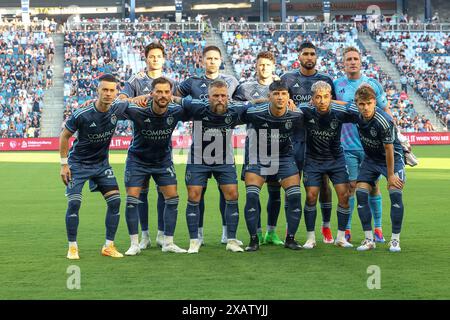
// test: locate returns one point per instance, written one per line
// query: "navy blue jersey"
(205, 148)
(323, 131)
(95, 130)
(141, 85)
(377, 132)
(269, 127)
(251, 90)
(152, 133)
(197, 87)
(300, 89)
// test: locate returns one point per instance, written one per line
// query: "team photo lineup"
(304, 132)
(239, 151)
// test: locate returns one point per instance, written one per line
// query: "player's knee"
(194, 195)
(74, 203)
(343, 198)
(231, 195)
(352, 187)
(311, 197)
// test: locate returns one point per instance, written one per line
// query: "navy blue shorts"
(198, 174)
(371, 170)
(137, 174)
(99, 175)
(314, 171)
(285, 168)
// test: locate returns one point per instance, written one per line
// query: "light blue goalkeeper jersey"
(345, 91)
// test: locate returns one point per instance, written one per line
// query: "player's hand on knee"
(395, 182)
(66, 174)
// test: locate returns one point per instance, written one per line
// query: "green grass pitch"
(33, 247)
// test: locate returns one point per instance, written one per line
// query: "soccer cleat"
(260, 237)
(194, 246)
(327, 235)
(253, 245)
(111, 251)
(72, 254)
(225, 240)
(309, 244)
(271, 237)
(379, 235)
(394, 246)
(133, 250)
(348, 235)
(172, 247)
(234, 246)
(160, 240)
(145, 243)
(343, 243)
(290, 243)
(366, 245)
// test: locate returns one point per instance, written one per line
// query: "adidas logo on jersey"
(92, 125)
(146, 89)
(203, 85)
(311, 121)
(256, 94)
(296, 85)
(265, 125)
(147, 120)
(206, 118)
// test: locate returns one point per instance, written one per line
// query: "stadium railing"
(139, 26)
(411, 27)
(286, 26)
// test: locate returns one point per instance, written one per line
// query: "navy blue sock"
(143, 209)
(310, 213)
(252, 209)
(222, 208)
(202, 209)
(343, 215)
(259, 218)
(273, 205)
(132, 215)
(362, 197)
(294, 211)
(72, 219)
(170, 216)
(326, 207)
(397, 209)
(192, 215)
(232, 218)
(112, 216)
(160, 207)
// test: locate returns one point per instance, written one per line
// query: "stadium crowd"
(25, 73)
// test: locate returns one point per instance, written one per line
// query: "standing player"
(383, 156)
(197, 88)
(353, 149)
(254, 90)
(150, 155)
(271, 154)
(323, 121)
(300, 82)
(88, 160)
(138, 85)
(211, 154)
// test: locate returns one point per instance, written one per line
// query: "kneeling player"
(383, 156)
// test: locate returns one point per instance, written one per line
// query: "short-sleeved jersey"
(268, 127)
(138, 86)
(377, 132)
(345, 91)
(251, 90)
(300, 90)
(197, 87)
(95, 131)
(323, 131)
(152, 133)
(210, 126)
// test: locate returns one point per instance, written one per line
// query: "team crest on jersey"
(113, 119)
(170, 121)
(228, 119)
(373, 132)
(288, 125)
(334, 124)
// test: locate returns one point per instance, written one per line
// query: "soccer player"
(323, 121)
(138, 85)
(150, 155)
(88, 160)
(383, 156)
(353, 149)
(197, 88)
(250, 91)
(300, 82)
(211, 154)
(271, 153)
